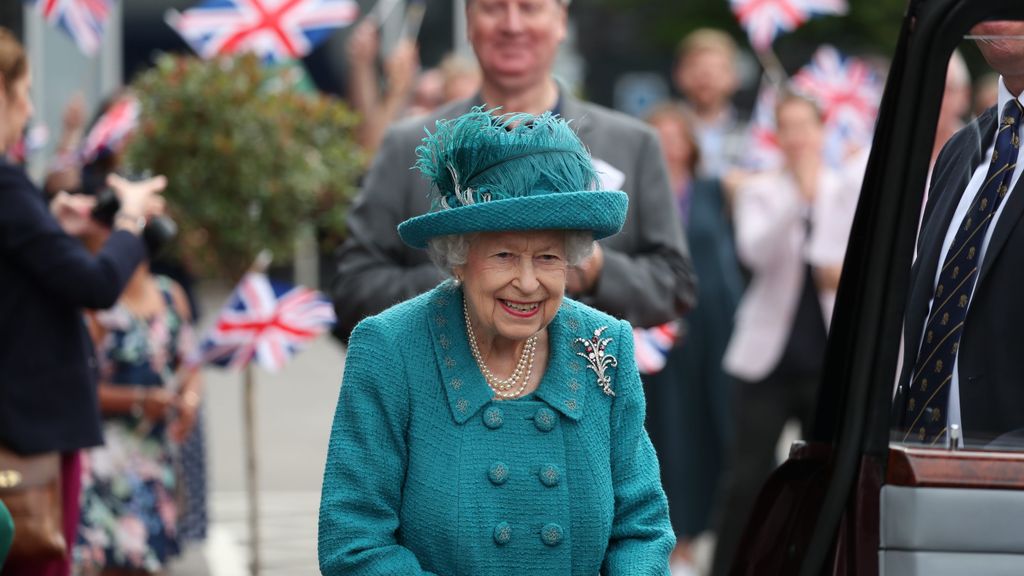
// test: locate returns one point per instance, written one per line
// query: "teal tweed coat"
(427, 474)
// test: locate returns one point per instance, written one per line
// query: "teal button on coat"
(427, 474)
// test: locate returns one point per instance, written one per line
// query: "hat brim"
(601, 212)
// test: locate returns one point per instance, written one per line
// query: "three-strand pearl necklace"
(503, 387)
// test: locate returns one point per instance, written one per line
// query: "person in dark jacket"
(48, 397)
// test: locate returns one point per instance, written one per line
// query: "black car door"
(851, 500)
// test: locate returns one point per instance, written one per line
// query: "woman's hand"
(156, 403)
(139, 199)
(401, 67)
(363, 43)
(73, 212)
(187, 408)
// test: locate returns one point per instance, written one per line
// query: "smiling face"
(513, 282)
(515, 40)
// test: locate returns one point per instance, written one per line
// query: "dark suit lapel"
(949, 183)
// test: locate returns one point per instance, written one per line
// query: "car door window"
(958, 377)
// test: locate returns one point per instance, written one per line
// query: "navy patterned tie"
(924, 419)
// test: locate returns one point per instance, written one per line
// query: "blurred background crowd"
(763, 145)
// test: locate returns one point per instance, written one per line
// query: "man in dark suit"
(962, 368)
(642, 274)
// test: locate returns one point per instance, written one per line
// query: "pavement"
(294, 410)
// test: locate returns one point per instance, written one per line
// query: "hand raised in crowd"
(74, 117)
(363, 43)
(73, 212)
(139, 198)
(806, 169)
(401, 68)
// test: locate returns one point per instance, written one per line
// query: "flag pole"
(260, 265)
(773, 68)
(251, 469)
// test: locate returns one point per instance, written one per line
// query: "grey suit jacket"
(647, 278)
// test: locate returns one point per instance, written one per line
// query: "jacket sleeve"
(641, 536)
(60, 264)
(372, 272)
(366, 464)
(765, 219)
(655, 283)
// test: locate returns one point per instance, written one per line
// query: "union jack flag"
(276, 30)
(764, 144)
(83, 20)
(652, 345)
(849, 92)
(764, 20)
(266, 321)
(109, 131)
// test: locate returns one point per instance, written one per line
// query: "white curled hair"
(451, 250)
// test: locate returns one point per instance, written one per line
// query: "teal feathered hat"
(493, 173)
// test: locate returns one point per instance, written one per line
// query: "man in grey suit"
(642, 274)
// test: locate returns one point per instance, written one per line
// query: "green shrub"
(250, 157)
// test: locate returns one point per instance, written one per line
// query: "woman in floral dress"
(149, 394)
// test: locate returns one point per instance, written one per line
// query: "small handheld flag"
(83, 20)
(764, 20)
(276, 30)
(764, 144)
(267, 322)
(652, 345)
(110, 130)
(849, 93)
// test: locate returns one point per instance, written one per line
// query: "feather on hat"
(510, 172)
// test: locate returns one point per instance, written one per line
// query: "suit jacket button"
(502, 533)
(550, 475)
(498, 473)
(493, 418)
(544, 420)
(551, 534)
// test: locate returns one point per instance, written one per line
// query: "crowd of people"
(466, 291)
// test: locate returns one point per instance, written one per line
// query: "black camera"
(157, 234)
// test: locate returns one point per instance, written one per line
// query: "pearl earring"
(457, 281)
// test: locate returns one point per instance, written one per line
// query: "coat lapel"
(563, 386)
(463, 384)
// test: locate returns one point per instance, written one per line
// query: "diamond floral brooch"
(597, 360)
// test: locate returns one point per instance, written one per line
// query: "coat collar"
(563, 386)
(570, 108)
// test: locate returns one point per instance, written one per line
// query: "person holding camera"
(48, 399)
(149, 397)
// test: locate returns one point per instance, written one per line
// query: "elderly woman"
(492, 426)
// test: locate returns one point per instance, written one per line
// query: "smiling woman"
(493, 426)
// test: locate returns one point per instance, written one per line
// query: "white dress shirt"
(966, 199)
